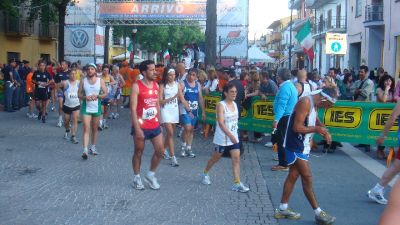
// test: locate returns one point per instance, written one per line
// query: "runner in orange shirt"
(30, 87)
(127, 74)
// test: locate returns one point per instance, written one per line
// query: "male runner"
(59, 78)
(302, 124)
(145, 115)
(91, 90)
(41, 79)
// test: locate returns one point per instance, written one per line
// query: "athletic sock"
(317, 211)
(205, 172)
(189, 147)
(378, 188)
(150, 174)
(85, 149)
(183, 145)
(236, 181)
(283, 206)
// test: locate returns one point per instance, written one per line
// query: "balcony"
(331, 25)
(17, 27)
(275, 37)
(48, 31)
(374, 15)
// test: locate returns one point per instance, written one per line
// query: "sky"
(263, 12)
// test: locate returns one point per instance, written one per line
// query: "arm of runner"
(134, 117)
(221, 123)
(389, 124)
(161, 96)
(203, 112)
(183, 100)
(158, 107)
(80, 92)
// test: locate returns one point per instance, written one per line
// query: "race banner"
(353, 122)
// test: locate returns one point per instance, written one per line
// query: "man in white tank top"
(71, 105)
(226, 138)
(301, 125)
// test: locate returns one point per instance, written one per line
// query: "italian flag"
(306, 41)
(166, 54)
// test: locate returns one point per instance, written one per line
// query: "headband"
(329, 98)
(170, 70)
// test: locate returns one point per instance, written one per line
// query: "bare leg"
(67, 118)
(235, 157)
(306, 181)
(75, 117)
(169, 139)
(158, 152)
(188, 134)
(214, 159)
(289, 184)
(95, 124)
(390, 173)
(86, 130)
(137, 155)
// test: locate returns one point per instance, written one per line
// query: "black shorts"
(68, 110)
(41, 94)
(29, 96)
(148, 133)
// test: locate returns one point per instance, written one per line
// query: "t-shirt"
(61, 76)
(269, 88)
(29, 84)
(6, 72)
(240, 92)
(39, 76)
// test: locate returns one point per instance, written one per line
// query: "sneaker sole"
(286, 217)
(241, 191)
(318, 222)
(149, 183)
(373, 198)
(85, 156)
(137, 188)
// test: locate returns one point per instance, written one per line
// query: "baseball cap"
(91, 65)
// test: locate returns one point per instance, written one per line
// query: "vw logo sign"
(79, 38)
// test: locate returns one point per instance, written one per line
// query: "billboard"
(153, 10)
(232, 12)
(81, 12)
(233, 41)
(336, 44)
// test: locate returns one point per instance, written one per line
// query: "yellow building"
(21, 39)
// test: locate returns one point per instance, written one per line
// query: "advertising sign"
(79, 40)
(81, 12)
(233, 41)
(336, 44)
(153, 10)
(232, 12)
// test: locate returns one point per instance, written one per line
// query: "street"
(43, 180)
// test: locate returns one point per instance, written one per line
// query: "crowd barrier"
(353, 122)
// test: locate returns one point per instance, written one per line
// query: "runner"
(226, 137)
(376, 193)
(71, 105)
(30, 87)
(91, 90)
(105, 103)
(116, 90)
(145, 108)
(58, 79)
(302, 124)
(170, 92)
(192, 94)
(41, 79)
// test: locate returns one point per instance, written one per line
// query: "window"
(13, 55)
(45, 57)
(358, 7)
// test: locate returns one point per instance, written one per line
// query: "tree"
(211, 32)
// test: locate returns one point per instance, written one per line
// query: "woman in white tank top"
(170, 93)
(226, 137)
(71, 105)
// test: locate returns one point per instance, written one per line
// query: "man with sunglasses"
(302, 125)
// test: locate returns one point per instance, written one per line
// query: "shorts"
(126, 91)
(105, 101)
(41, 94)
(148, 133)
(60, 94)
(222, 149)
(187, 120)
(68, 110)
(29, 96)
(398, 154)
(291, 156)
(83, 110)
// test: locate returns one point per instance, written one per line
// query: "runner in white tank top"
(226, 138)
(170, 93)
(71, 105)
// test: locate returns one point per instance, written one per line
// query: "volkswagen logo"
(79, 38)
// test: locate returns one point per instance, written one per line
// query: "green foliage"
(156, 38)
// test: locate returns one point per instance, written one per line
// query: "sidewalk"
(43, 180)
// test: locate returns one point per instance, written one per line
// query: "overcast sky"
(263, 12)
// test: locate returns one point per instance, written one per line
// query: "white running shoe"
(206, 179)
(53, 108)
(377, 197)
(183, 152)
(268, 145)
(111, 116)
(66, 135)
(190, 153)
(174, 162)
(29, 115)
(93, 150)
(137, 183)
(60, 123)
(240, 188)
(116, 115)
(34, 115)
(152, 181)
(166, 154)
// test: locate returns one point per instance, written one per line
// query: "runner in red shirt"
(145, 108)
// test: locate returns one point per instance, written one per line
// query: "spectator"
(17, 91)
(222, 78)
(267, 87)
(212, 83)
(244, 76)
(9, 85)
(284, 103)
(303, 87)
(345, 88)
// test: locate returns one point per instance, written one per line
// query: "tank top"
(231, 122)
(71, 95)
(297, 142)
(191, 95)
(147, 106)
(306, 89)
(169, 92)
(107, 81)
(90, 89)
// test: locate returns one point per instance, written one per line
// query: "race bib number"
(73, 95)
(172, 102)
(193, 105)
(234, 127)
(149, 113)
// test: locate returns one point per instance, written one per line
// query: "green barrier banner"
(2, 89)
(353, 122)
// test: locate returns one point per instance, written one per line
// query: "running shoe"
(34, 115)
(152, 181)
(240, 188)
(205, 179)
(183, 152)
(39, 116)
(60, 123)
(377, 197)
(66, 135)
(53, 108)
(29, 115)
(74, 140)
(105, 125)
(324, 219)
(137, 183)
(286, 214)
(174, 162)
(93, 150)
(116, 115)
(190, 153)
(43, 119)
(85, 155)
(111, 116)
(166, 154)
(268, 145)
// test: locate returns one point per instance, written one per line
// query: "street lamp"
(134, 31)
(290, 40)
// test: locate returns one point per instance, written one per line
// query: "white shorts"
(170, 115)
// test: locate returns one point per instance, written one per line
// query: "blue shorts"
(291, 156)
(222, 149)
(187, 120)
(148, 133)
(105, 101)
(60, 94)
